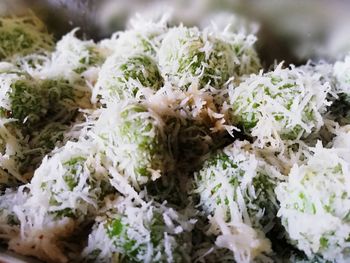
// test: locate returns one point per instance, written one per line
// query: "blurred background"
(290, 30)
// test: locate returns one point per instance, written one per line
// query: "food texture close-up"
(160, 132)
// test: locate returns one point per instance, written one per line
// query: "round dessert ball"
(236, 191)
(286, 103)
(135, 142)
(315, 205)
(123, 77)
(235, 180)
(23, 35)
(150, 233)
(187, 55)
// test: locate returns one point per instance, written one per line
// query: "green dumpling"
(150, 233)
(187, 55)
(314, 205)
(123, 77)
(236, 192)
(64, 195)
(135, 141)
(287, 103)
(23, 35)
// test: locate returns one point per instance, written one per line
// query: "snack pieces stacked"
(170, 144)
